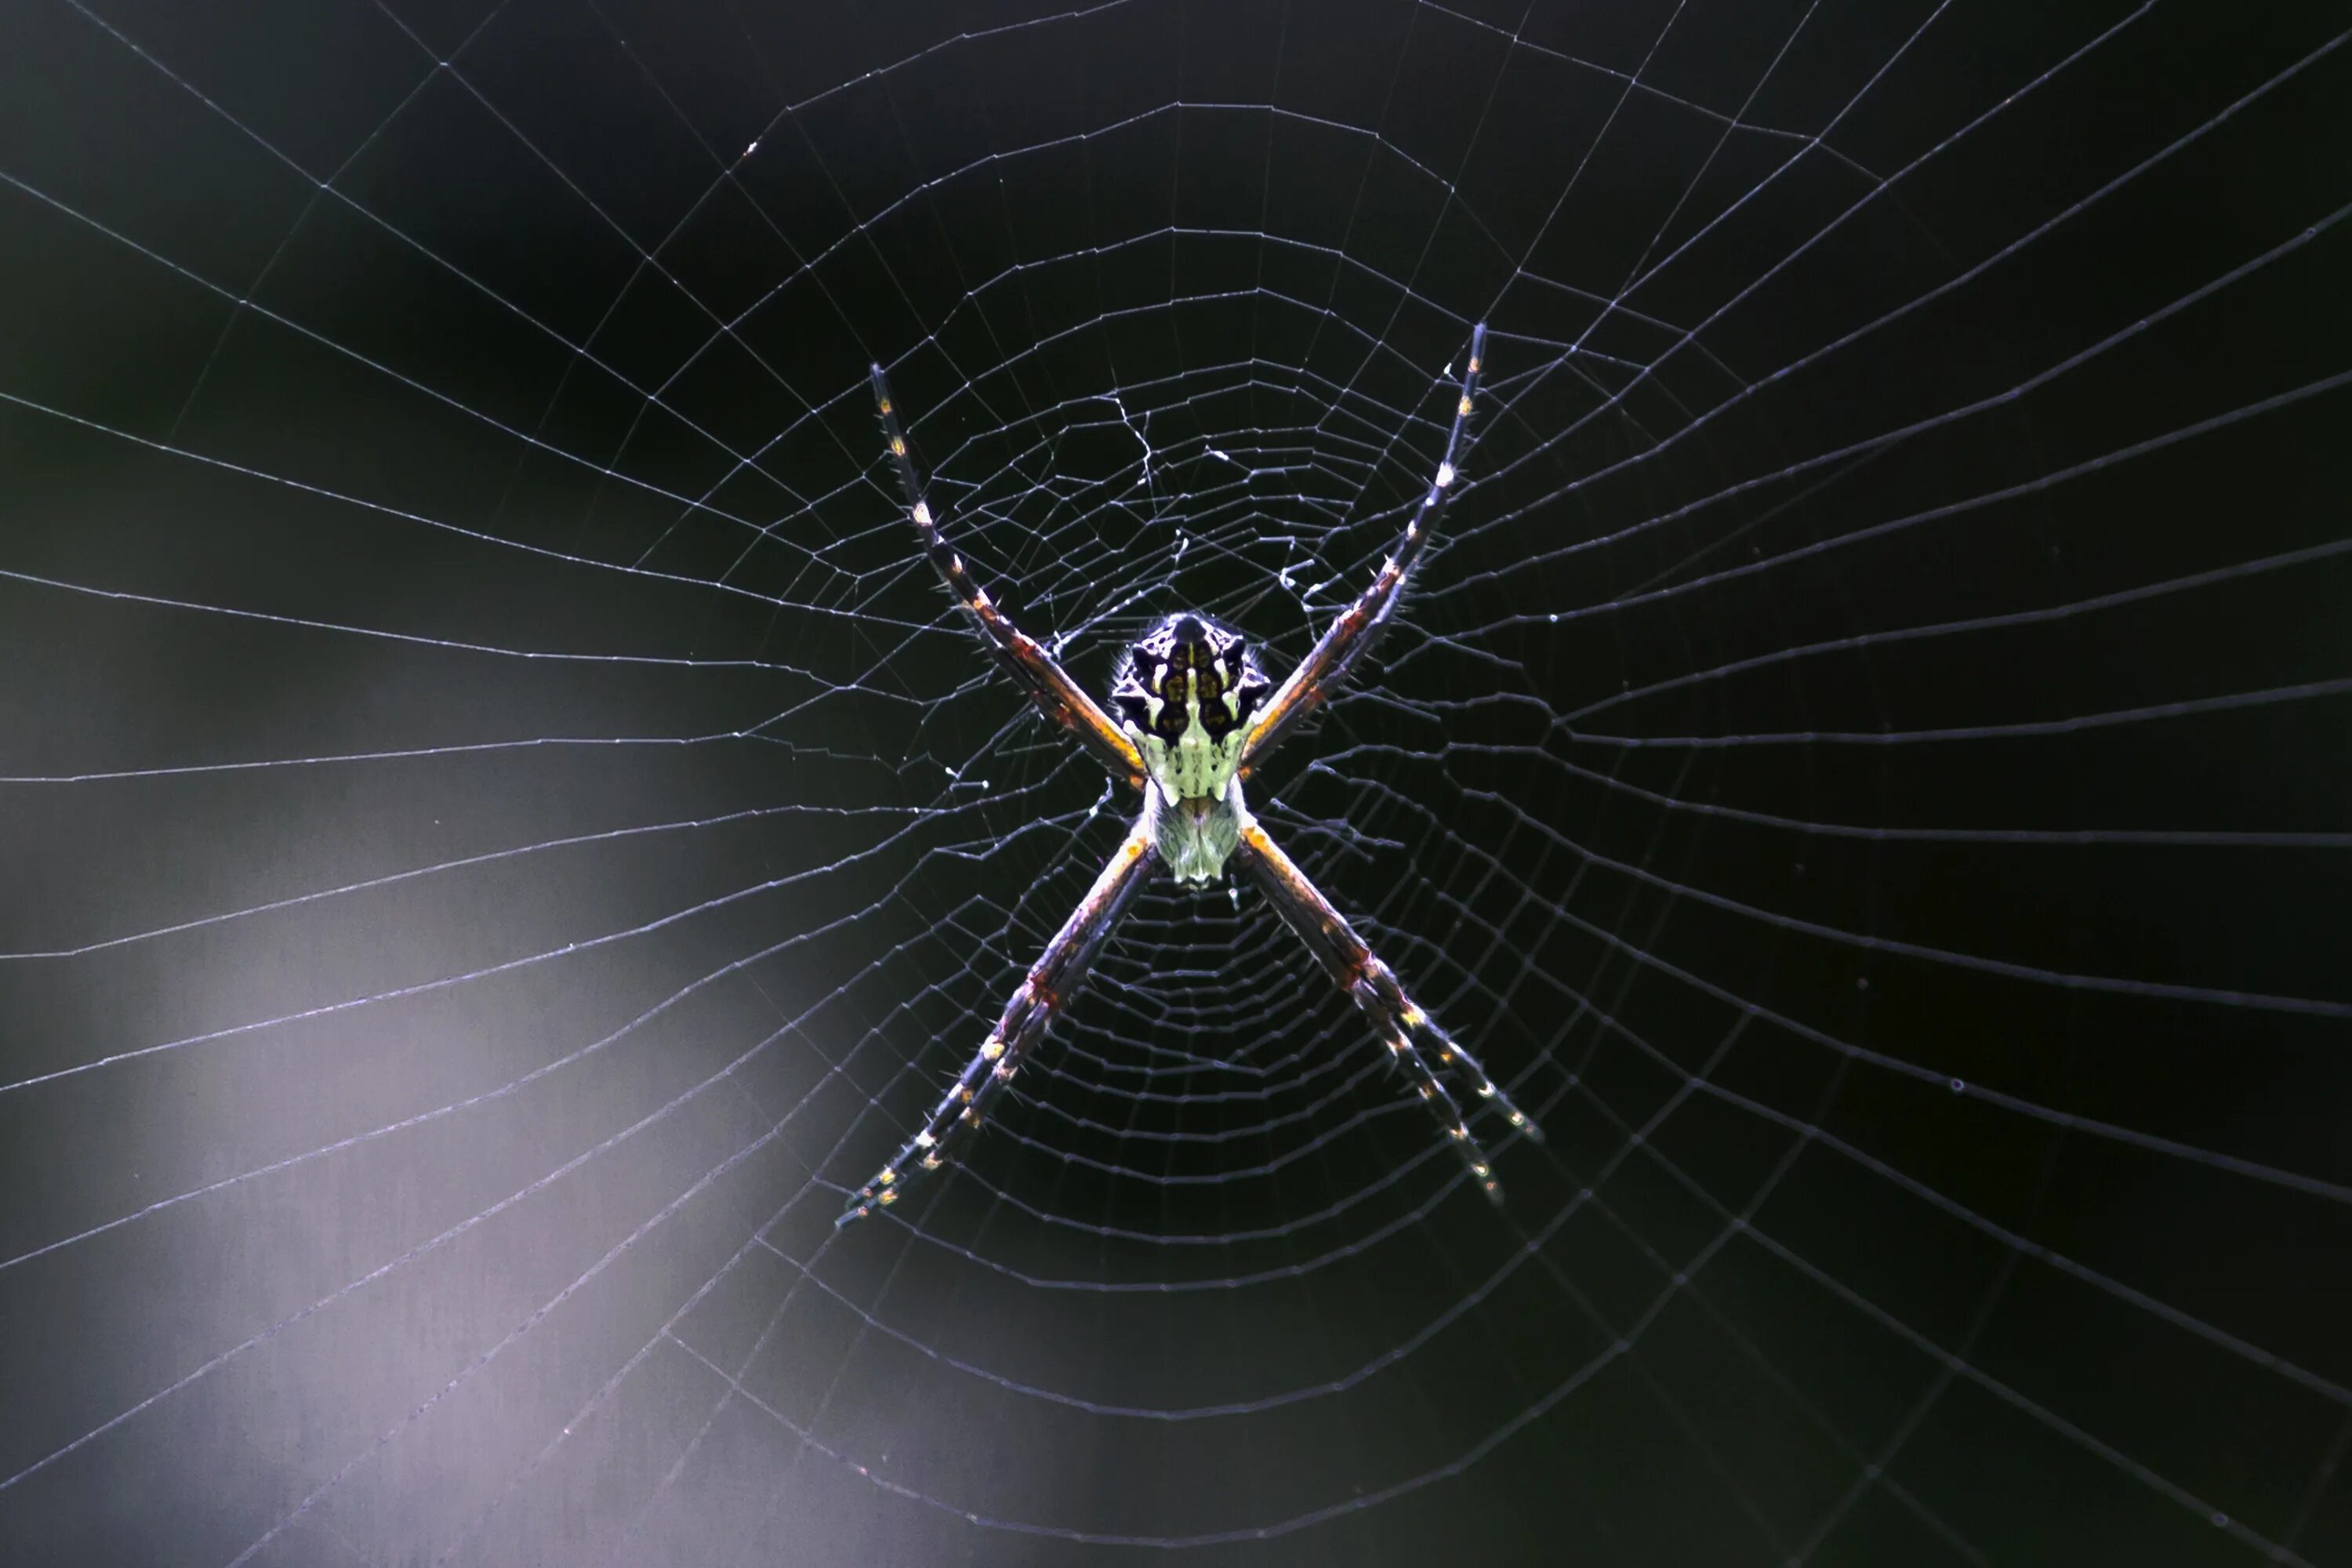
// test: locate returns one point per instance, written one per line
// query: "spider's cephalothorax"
(1184, 694)
(1194, 716)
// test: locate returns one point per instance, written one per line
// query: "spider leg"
(1059, 698)
(1047, 988)
(1412, 1036)
(1327, 665)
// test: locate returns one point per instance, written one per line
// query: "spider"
(1195, 716)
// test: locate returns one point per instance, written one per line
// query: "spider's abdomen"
(1196, 837)
(1184, 695)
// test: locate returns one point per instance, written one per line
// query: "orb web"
(504, 830)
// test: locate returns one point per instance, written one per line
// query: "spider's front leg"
(1050, 984)
(1410, 1035)
(1357, 627)
(1059, 698)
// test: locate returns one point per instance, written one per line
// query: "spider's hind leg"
(1460, 1064)
(959, 1113)
(1425, 1050)
(1047, 988)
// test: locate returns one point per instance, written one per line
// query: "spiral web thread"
(1734, 662)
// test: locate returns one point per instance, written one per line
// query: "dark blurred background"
(498, 831)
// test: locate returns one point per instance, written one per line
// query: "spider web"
(501, 830)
